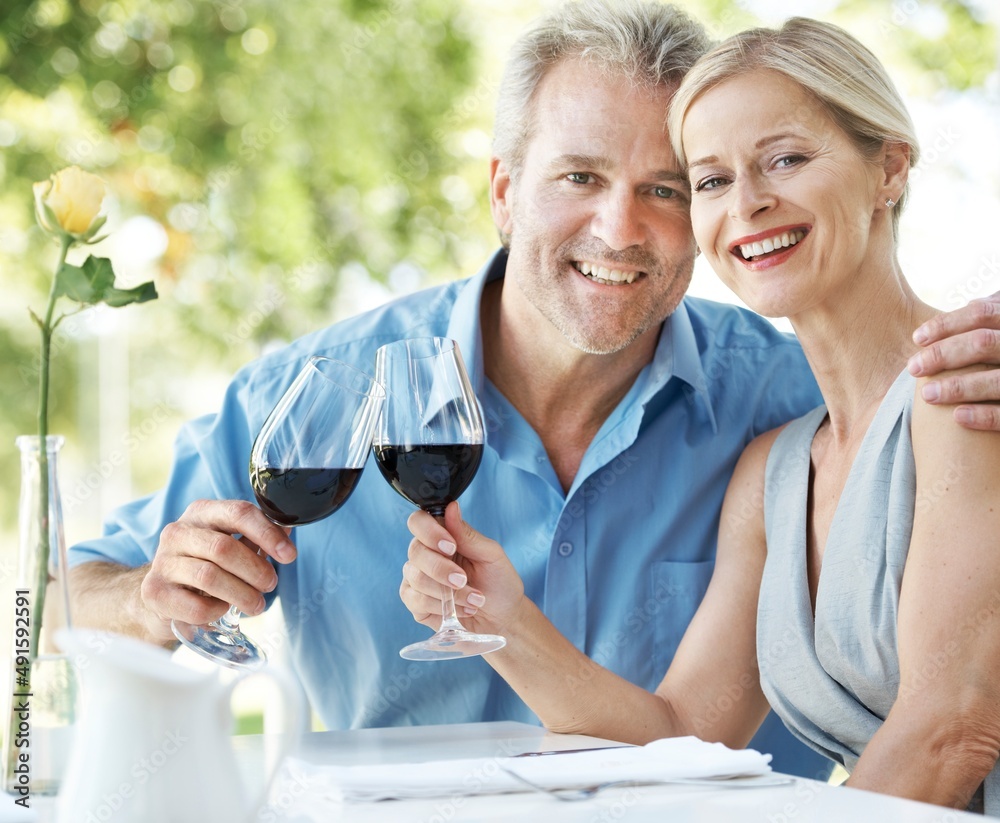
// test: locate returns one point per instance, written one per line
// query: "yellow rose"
(69, 202)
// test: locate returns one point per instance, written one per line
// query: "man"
(615, 411)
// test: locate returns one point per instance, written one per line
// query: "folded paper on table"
(662, 760)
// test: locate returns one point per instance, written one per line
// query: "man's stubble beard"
(542, 293)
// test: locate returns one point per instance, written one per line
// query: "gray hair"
(649, 43)
(826, 61)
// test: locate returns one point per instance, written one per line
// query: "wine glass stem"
(230, 621)
(449, 617)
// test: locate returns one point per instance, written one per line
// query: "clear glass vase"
(41, 708)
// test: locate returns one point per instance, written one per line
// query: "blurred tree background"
(259, 154)
(278, 164)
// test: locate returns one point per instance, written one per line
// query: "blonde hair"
(650, 43)
(827, 62)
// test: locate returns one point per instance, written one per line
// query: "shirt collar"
(676, 352)
(464, 327)
(677, 355)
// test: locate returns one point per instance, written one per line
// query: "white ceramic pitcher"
(153, 743)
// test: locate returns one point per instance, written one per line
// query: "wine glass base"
(226, 648)
(449, 644)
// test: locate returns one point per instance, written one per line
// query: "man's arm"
(953, 340)
(107, 596)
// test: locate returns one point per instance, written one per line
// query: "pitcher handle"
(294, 710)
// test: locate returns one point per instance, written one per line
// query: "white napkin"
(668, 759)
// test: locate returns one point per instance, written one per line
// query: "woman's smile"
(768, 245)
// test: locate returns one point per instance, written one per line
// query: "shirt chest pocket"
(677, 591)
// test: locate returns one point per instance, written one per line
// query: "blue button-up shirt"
(619, 563)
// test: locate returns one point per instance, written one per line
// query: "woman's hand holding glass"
(428, 446)
(488, 590)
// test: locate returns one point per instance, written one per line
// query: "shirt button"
(565, 549)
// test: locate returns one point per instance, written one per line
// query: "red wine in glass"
(305, 462)
(428, 445)
(430, 476)
(295, 497)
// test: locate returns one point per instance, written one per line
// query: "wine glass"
(428, 445)
(304, 464)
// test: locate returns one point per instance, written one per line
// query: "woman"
(861, 599)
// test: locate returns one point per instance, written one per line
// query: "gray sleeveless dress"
(833, 679)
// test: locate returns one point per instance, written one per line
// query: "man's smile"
(605, 276)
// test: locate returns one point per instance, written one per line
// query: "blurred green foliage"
(258, 134)
(285, 148)
(951, 43)
(277, 145)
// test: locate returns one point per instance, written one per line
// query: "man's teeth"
(789, 238)
(609, 277)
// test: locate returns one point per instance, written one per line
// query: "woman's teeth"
(607, 277)
(789, 238)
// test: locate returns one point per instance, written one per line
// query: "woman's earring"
(889, 202)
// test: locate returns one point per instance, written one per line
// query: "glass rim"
(29, 442)
(376, 389)
(404, 342)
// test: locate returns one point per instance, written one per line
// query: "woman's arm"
(942, 736)
(712, 689)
